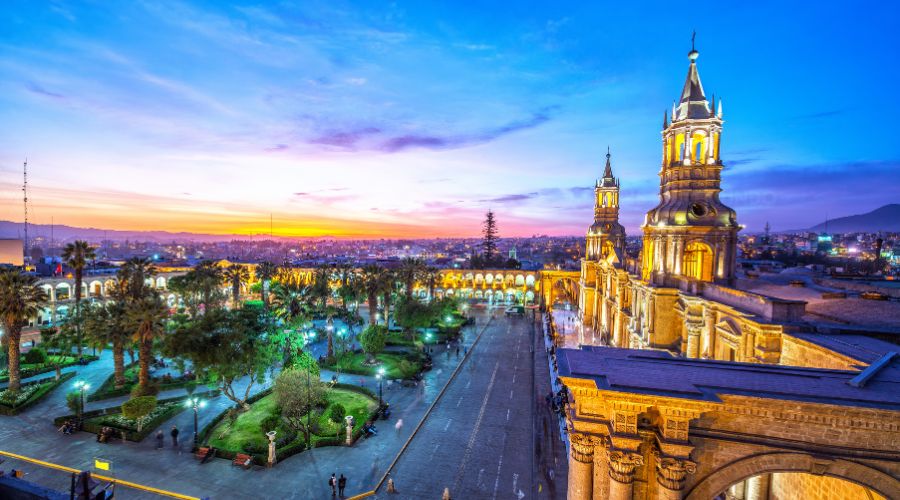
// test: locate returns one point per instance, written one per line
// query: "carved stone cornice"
(582, 447)
(671, 472)
(622, 465)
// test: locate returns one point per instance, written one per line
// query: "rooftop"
(661, 374)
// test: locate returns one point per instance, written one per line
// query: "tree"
(371, 284)
(372, 340)
(412, 314)
(138, 408)
(61, 339)
(107, 324)
(76, 255)
(227, 347)
(205, 281)
(146, 318)
(388, 283)
(489, 242)
(236, 275)
(320, 290)
(133, 276)
(431, 276)
(298, 393)
(410, 271)
(73, 401)
(21, 298)
(265, 271)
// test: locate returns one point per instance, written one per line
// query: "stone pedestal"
(621, 473)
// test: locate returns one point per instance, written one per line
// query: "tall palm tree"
(76, 255)
(105, 325)
(290, 301)
(371, 278)
(388, 287)
(146, 317)
(133, 277)
(410, 270)
(236, 275)
(206, 279)
(20, 300)
(265, 271)
(321, 286)
(431, 275)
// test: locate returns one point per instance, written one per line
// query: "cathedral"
(695, 386)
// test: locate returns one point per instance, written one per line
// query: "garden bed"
(109, 390)
(95, 420)
(247, 435)
(29, 370)
(29, 394)
(396, 364)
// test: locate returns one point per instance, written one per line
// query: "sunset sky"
(360, 119)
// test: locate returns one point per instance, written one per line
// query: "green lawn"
(397, 365)
(246, 428)
(31, 369)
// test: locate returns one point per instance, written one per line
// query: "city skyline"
(344, 121)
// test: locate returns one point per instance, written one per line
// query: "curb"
(426, 415)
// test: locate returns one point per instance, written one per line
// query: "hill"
(886, 218)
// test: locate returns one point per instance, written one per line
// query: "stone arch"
(50, 291)
(698, 261)
(63, 291)
(489, 279)
(722, 477)
(520, 280)
(529, 280)
(161, 282)
(96, 289)
(109, 286)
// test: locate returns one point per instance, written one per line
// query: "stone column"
(670, 474)
(601, 473)
(621, 473)
(581, 462)
(758, 487)
(693, 341)
(707, 346)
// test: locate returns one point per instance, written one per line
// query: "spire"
(693, 102)
(665, 120)
(607, 172)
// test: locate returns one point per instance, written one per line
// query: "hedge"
(130, 434)
(89, 358)
(37, 396)
(108, 389)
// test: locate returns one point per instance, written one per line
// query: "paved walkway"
(301, 476)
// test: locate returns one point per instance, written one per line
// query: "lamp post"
(196, 404)
(380, 377)
(82, 387)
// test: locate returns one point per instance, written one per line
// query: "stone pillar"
(581, 462)
(621, 473)
(707, 345)
(693, 342)
(736, 491)
(670, 474)
(601, 473)
(758, 487)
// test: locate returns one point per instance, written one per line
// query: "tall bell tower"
(606, 235)
(690, 233)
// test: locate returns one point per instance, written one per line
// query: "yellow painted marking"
(101, 464)
(128, 484)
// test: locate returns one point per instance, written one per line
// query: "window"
(698, 261)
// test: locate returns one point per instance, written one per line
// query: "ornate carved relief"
(622, 465)
(671, 472)
(583, 447)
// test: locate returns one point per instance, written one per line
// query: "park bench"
(205, 453)
(242, 460)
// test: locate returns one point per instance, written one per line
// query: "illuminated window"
(698, 261)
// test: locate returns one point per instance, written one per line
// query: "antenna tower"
(25, 202)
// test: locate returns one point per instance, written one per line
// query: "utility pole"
(25, 205)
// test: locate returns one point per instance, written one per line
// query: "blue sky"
(412, 119)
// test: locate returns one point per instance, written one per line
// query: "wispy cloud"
(34, 88)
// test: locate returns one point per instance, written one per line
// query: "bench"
(205, 453)
(242, 460)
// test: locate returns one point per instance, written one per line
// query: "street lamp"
(196, 404)
(380, 377)
(82, 387)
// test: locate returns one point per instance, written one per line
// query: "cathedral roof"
(607, 180)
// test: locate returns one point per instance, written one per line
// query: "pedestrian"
(399, 424)
(174, 434)
(390, 487)
(159, 440)
(457, 351)
(465, 350)
(342, 483)
(332, 481)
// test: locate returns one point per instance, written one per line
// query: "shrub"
(138, 408)
(139, 391)
(337, 413)
(73, 401)
(36, 356)
(373, 338)
(270, 423)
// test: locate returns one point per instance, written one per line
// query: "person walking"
(342, 483)
(174, 435)
(399, 425)
(159, 440)
(332, 481)
(457, 351)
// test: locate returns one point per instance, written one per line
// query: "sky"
(412, 119)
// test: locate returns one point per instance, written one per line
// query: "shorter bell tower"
(606, 235)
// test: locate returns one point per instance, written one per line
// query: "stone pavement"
(301, 476)
(483, 438)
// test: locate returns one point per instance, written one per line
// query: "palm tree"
(76, 255)
(146, 317)
(133, 277)
(388, 287)
(321, 286)
(105, 325)
(410, 270)
(431, 275)
(371, 283)
(205, 279)
(236, 275)
(265, 271)
(290, 301)
(20, 300)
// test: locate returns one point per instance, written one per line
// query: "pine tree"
(489, 243)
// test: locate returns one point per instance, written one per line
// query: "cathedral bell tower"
(690, 233)
(606, 235)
